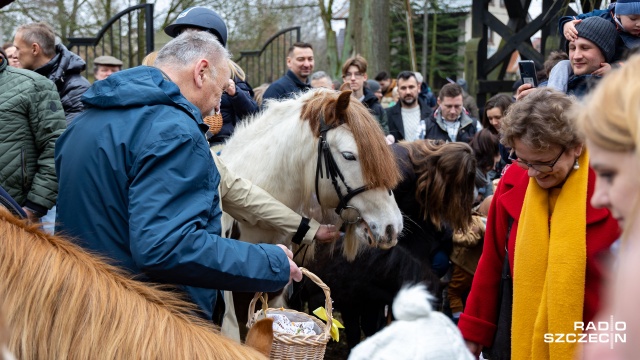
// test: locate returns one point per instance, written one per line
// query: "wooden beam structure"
(485, 74)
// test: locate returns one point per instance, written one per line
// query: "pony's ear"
(260, 336)
(343, 103)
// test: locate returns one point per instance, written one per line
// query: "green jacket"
(31, 120)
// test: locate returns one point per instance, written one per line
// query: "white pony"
(322, 150)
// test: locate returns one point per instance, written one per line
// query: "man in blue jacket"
(300, 63)
(138, 183)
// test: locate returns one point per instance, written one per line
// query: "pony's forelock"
(378, 164)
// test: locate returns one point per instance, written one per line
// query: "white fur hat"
(418, 333)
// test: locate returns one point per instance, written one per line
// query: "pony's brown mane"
(61, 302)
(378, 164)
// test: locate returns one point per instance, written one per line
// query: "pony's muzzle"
(390, 238)
(384, 241)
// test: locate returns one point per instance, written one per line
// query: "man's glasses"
(543, 168)
(349, 75)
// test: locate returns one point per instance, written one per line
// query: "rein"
(333, 172)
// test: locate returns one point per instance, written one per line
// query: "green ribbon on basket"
(321, 312)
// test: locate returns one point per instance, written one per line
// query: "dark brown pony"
(63, 303)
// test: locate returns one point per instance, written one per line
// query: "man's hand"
(327, 234)
(294, 271)
(523, 90)
(602, 70)
(474, 348)
(569, 30)
(390, 139)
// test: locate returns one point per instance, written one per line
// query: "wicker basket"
(214, 122)
(289, 346)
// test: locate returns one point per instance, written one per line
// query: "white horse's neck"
(257, 144)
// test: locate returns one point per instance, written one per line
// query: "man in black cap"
(105, 65)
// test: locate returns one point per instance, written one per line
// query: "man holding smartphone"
(595, 45)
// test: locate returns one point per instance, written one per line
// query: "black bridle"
(334, 173)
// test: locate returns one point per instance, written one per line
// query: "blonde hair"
(258, 93)
(610, 113)
(64, 303)
(236, 70)
(150, 59)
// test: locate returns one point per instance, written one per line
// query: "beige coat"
(254, 206)
(467, 246)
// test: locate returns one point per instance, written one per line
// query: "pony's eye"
(348, 156)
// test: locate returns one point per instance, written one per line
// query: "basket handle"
(317, 281)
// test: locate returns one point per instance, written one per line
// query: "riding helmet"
(201, 18)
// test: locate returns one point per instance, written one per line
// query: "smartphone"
(528, 72)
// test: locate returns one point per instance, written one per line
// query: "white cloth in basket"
(281, 323)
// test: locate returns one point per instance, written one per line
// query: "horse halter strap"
(333, 172)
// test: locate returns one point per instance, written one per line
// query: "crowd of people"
(523, 244)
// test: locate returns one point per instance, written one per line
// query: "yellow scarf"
(549, 267)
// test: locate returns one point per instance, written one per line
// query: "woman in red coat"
(555, 237)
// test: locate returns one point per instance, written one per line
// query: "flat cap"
(107, 60)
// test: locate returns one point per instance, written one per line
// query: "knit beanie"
(627, 7)
(600, 32)
(373, 85)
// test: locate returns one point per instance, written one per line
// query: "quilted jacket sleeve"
(47, 122)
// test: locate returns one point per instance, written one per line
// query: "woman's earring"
(576, 166)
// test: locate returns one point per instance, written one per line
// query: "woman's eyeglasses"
(543, 168)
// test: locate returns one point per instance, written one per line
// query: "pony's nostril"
(390, 232)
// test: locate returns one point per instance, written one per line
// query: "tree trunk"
(367, 34)
(410, 39)
(434, 36)
(425, 38)
(326, 13)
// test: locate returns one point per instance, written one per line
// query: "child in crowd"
(624, 14)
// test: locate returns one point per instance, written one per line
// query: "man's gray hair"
(190, 46)
(320, 75)
(40, 33)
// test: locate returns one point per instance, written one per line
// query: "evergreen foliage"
(444, 43)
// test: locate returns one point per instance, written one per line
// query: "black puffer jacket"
(65, 71)
(234, 109)
(286, 87)
(371, 101)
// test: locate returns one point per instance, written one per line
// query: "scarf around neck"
(549, 267)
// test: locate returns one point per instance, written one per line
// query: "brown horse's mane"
(378, 163)
(61, 302)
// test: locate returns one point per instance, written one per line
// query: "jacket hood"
(63, 63)
(136, 87)
(369, 98)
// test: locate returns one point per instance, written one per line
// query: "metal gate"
(127, 36)
(269, 63)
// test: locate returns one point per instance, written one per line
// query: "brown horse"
(63, 303)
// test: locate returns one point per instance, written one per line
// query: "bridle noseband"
(334, 173)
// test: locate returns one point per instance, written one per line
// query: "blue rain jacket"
(137, 184)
